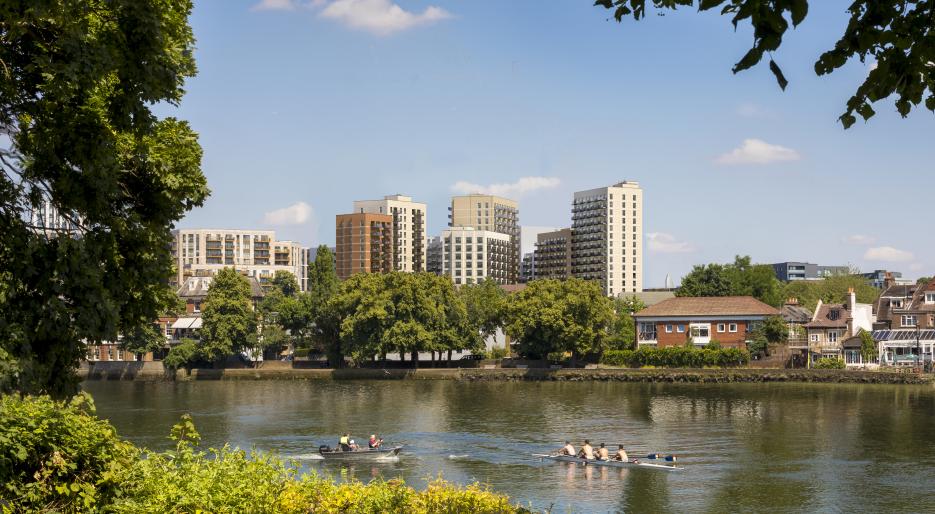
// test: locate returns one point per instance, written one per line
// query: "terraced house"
(905, 323)
(836, 326)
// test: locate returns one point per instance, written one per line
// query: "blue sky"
(305, 106)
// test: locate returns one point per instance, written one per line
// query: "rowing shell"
(608, 463)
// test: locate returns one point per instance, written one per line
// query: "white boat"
(632, 463)
(362, 454)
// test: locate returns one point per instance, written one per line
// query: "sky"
(304, 106)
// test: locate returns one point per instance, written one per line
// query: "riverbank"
(153, 371)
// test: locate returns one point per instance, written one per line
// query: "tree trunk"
(449, 359)
(574, 358)
(415, 360)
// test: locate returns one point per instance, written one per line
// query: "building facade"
(433, 262)
(882, 278)
(553, 254)
(834, 323)
(470, 255)
(527, 267)
(729, 320)
(791, 271)
(255, 253)
(408, 229)
(364, 243)
(607, 235)
(492, 214)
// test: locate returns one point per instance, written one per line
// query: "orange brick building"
(727, 320)
(363, 244)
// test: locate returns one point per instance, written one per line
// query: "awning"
(185, 322)
(196, 323)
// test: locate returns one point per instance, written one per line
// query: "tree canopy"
(742, 278)
(623, 330)
(486, 306)
(895, 35)
(229, 320)
(833, 289)
(77, 82)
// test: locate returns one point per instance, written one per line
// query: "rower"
(353, 446)
(602, 453)
(568, 449)
(345, 442)
(374, 443)
(587, 451)
(621, 455)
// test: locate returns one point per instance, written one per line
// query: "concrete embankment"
(155, 371)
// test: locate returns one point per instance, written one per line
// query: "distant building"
(255, 253)
(729, 320)
(47, 220)
(492, 214)
(471, 255)
(434, 255)
(408, 229)
(527, 268)
(833, 324)
(607, 235)
(364, 243)
(791, 271)
(553, 254)
(882, 278)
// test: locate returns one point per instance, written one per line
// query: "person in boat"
(603, 453)
(345, 442)
(353, 445)
(587, 451)
(621, 455)
(374, 443)
(568, 449)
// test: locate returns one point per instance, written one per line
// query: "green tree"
(486, 305)
(924, 280)
(868, 347)
(285, 283)
(77, 82)
(317, 313)
(229, 320)
(741, 278)
(895, 34)
(705, 280)
(623, 330)
(559, 316)
(833, 289)
(775, 330)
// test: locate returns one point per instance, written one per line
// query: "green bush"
(676, 357)
(497, 352)
(183, 355)
(829, 363)
(59, 457)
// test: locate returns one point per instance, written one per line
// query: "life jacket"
(344, 440)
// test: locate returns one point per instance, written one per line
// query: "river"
(744, 447)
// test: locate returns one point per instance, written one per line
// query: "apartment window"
(668, 329)
(909, 321)
(813, 338)
(721, 327)
(680, 329)
(929, 297)
(732, 327)
(832, 336)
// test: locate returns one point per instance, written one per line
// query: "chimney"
(888, 280)
(792, 301)
(851, 299)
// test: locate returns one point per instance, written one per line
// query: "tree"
(738, 279)
(229, 320)
(285, 283)
(623, 330)
(775, 330)
(868, 347)
(77, 82)
(559, 316)
(894, 34)
(924, 280)
(833, 289)
(148, 337)
(485, 303)
(317, 312)
(705, 280)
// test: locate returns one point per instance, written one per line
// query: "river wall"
(155, 371)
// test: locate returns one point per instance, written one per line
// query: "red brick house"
(726, 319)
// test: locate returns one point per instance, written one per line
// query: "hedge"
(676, 357)
(829, 363)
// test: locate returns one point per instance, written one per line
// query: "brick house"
(833, 324)
(905, 324)
(727, 320)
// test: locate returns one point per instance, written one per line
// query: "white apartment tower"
(607, 237)
(470, 255)
(409, 239)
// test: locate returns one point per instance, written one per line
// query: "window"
(681, 329)
(721, 327)
(929, 297)
(898, 304)
(813, 338)
(909, 321)
(668, 329)
(700, 330)
(832, 336)
(732, 327)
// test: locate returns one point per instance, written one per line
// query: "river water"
(744, 447)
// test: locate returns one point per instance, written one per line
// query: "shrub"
(617, 357)
(497, 352)
(712, 345)
(676, 357)
(829, 363)
(183, 355)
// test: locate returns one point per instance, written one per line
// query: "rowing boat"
(362, 454)
(632, 463)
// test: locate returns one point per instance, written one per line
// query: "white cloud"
(757, 151)
(296, 214)
(888, 254)
(660, 242)
(380, 17)
(513, 189)
(275, 5)
(859, 240)
(916, 266)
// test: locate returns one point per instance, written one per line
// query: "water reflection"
(744, 447)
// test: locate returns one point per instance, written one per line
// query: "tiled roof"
(709, 306)
(899, 291)
(825, 320)
(795, 314)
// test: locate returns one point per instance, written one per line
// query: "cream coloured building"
(607, 237)
(409, 236)
(494, 214)
(470, 255)
(255, 253)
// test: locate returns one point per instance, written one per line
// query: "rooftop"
(709, 306)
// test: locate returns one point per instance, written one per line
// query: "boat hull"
(609, 463)
(361, 455)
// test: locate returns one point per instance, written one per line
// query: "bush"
(59, 457)
(183, 355)
(497, 352)
(829, 363)
(676, 357)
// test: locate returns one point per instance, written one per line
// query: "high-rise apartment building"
(607, 231)
(255, 253)
(527, 267)
(46, 219)
(409, 236)
(434, 255)
(470, 255)
(553, 254)
(364, 243)
(493, 214)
